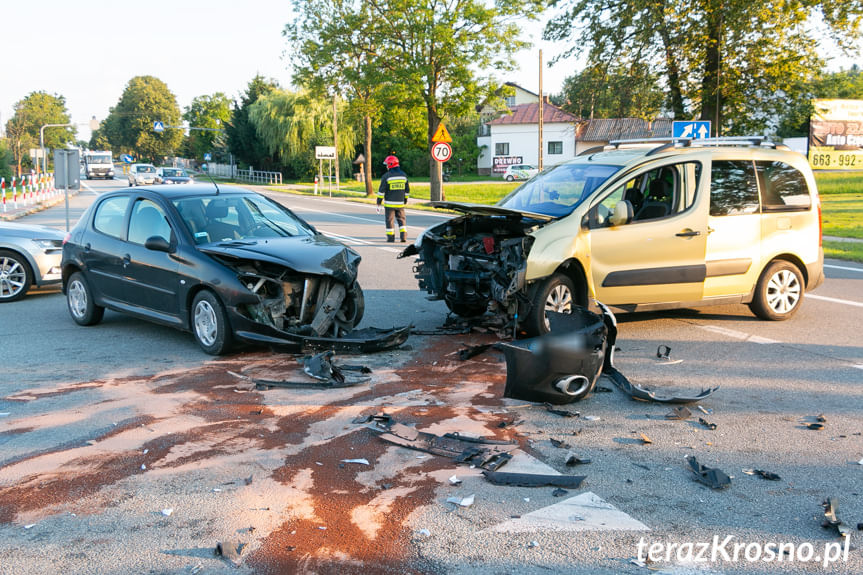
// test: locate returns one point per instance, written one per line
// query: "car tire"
(466, 310)
(779, 291)
(16, 277)
(79, 300)
(557, 293)
(209, 323)
(509, 178)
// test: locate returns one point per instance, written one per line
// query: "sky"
(87, 50)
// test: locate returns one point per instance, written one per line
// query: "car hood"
(176, 179)
(312, 255)
(485, 210)
(30, 231)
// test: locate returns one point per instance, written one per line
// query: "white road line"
(88, 187)
(846, 268)
(733, 333)
(356, 241)
(835, 300)
(584, 512)
(859, 366)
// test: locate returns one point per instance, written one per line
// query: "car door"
(103, 246)
(658, 256)
(151, 275)
(734, 229)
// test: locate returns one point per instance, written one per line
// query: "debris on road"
(454, 480)
(231, 551)
(572, 460)
(466, 353)
(561, 412)
(558, 443)
(645, 440)
(642, 394)
(558, 492)
(815, 426)
(663, 352)
(424, 532)
(680, 413)
(381, 420)
(707, 424)
(534, 479)
(322, 368)
(533, 544)
(831, 508)
(168, 512)
(704, 410)
(360, 461)
(765, 474)
(462, 502)
(712, 477)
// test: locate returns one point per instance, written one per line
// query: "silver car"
(29, 256)
(142, 174)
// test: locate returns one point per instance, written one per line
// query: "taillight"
(67, 237)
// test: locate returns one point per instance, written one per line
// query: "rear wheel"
(15, 276)
(557, 294)
(210, 324)
(779, 291)
(79, 300)
(509, 178)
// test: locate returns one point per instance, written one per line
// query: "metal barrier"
(251, 175)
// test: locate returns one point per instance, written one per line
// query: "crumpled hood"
(317, 255)
(485, 210)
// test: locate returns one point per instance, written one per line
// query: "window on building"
(509, 101)
(484, 130)
(501, 149)
(555, 148)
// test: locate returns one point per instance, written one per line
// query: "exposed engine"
(475, 264)
(300, 303)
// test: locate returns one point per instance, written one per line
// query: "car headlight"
(48, 244)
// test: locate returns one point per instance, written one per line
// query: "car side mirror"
(158, 244)
(622, 213)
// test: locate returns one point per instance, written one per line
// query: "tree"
(5, 162)
(431, 50)
(212, 113)
(334, 52)
(845, 84)
(31, 113)
(291, 124)
(243, 140)
(606, 92)
(129, 125)
(729, 61)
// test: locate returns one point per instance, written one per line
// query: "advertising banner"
(501, 162)
(836, 135)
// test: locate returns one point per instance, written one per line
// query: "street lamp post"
(93, 123)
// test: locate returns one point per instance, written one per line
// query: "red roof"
(529, 114)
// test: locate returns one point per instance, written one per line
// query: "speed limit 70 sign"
(441, 151)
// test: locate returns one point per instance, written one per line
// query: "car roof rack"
(669, 143)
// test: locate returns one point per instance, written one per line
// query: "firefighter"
(393, 194)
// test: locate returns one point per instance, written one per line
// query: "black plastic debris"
(230, 550)
(765, 474)
(466, 353)
(642, 394)
(831, 520)
(712, 477)
(602, 389)
(572, 460)
(561, 412)
(680, 412)
(561, 366)
(707, 424)
(558, 492)
(381, 420)
(483, 452)
(815, 426)
(322, 368)
(558, 443)
(663, 352)
(511, 423)
(534, 480)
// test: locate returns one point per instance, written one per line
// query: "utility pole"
(541, 98)
(336, 138)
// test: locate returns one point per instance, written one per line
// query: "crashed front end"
(477, 263)
(283, 308)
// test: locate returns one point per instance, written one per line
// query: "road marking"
(859, 366)
(88, 188)
(733, 333)
(585, 512)
(844, 268)
(356, 241)
(835, 300)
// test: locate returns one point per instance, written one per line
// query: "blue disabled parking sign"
(695, 129)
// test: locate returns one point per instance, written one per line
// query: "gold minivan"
(641, 225)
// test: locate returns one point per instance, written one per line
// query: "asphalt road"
(129, 375)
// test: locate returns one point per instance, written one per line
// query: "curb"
(21, 212)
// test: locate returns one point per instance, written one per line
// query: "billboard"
(836, 135)
(501, 162)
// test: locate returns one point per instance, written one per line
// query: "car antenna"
(207, 173)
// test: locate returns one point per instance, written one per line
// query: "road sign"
(441, 135)
(126, 159)
(207, 157)
(325, 152)
(158, 126)
(441, 151)
(696, 129)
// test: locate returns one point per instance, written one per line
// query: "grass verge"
(849, 251)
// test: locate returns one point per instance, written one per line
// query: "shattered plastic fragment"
(572, 459)
(360, 461)
(30, 526)
(534, 480)
(559, 444)
(561, 412)
(591, 418)
(454, 480)
(167, 512)
(705, 411)
(663, 352)
(462, 502)
(713, 478)
(558, 492)
(230, 550)
(424, 532)
(472, 351)
(680, 412)
(642, 394)
(533, 544)
(765, 474)
(706, 423)
(143, 467)
(646, 440)
(815, 426)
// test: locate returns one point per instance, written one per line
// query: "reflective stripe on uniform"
(403, 229)
(394, 206)
(397, 183)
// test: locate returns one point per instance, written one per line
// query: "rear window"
(783, 188)
(733, 188)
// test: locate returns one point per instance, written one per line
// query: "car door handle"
(86, 247)
(127, 259)
(688, 234)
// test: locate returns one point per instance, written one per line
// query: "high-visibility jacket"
(394, 189)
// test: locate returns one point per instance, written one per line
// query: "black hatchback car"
(224, 263)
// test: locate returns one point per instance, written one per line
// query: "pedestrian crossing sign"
(441, 135)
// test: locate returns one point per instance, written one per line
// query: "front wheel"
(79, 300)
(15, 276)
(556, 294)
(210, 324)
(509, 178)
(779, 291)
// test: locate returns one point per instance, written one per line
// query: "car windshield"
(238, 218)
(146, 169)
(99, 158)
(173, 173)
(556, 192)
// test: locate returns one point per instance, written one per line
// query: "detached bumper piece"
(368, 340)
(641, 394)
(561, 366)
(324, 374)
(534, 480)
(709, 476)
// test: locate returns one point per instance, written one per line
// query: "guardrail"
(251, 175)
(27, 190)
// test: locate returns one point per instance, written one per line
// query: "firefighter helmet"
(391, 161)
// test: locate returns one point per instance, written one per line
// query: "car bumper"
(47, 270)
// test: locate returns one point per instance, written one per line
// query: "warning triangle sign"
(441, 135)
